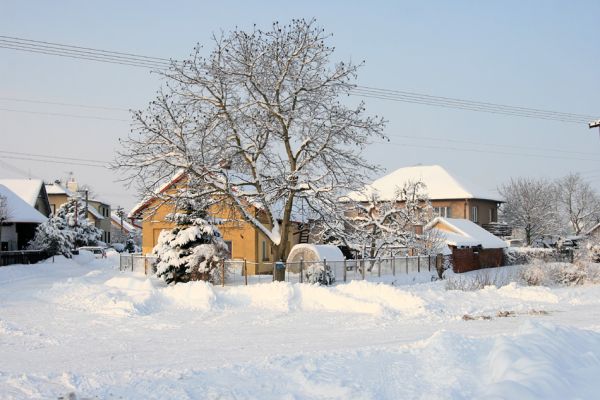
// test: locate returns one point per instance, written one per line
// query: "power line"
(86, 48)
(56, 161)
(16, 99)
(63, 115)
(78, 51)
(81, 57)
(434, 138)
(579, 120)
(136, 60)
(415, 95)
(486, 151)
(51, 156)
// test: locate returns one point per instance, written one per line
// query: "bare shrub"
(474, 281)
(559, 274)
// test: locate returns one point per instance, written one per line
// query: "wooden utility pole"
(594, 124)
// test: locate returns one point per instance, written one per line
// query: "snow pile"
(80, 326)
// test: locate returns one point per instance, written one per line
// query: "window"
(230, 247)
(441, 212)
(265, 256)
(53, 208)
(491, 215)
(474, 212)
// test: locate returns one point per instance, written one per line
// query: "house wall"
(56, 200)
(8, 238)
(246, 241)
(470, 259)
(105, 223)
(463, 209)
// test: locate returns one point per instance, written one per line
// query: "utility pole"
(595, 124)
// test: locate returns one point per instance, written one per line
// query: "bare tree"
(384, 224)
(579, 202)
(4, 214)
(530, 206)
(258, 124)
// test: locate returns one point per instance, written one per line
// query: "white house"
(19, 220)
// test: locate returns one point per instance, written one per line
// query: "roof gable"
(18, 210)
(441, 185)
(462, 232)
(27, 189)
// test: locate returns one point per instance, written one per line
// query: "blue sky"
(541, 54)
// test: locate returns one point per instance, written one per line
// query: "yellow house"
(245, 242)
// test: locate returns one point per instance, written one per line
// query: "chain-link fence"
(244, 272)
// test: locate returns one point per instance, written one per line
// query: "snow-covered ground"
(83, 328)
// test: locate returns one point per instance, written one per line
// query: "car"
(99, 252)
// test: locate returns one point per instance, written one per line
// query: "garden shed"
(470, 246)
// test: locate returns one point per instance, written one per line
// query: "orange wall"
(246, 241)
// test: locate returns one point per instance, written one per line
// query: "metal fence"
(136, 262)
(21, 257)
(244, 272)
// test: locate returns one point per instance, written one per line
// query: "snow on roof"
(27, 189)
(55, 188)
(92, 210)
(465, 233)
(18, 210)
(148, 199)
(126, 225)
(592, 229)
(441, 185)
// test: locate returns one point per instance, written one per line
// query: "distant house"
(33, 191)
(242, 238)
(594, 232)
(98, 211)
(470, 246)
(121, 229)
(19, 220)
(450, 196)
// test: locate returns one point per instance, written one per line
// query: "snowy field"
(82, 329)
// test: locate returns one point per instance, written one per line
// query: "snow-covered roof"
(126, 225)
(592, 229)
(441, 185)
(55, 188)
(148, 200)
(464, 233)
(27, 189)
(92, 210)
(18, 210)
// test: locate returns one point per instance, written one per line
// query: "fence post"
(245, 273)
(120, 262)
(145, 265)
(363, 269)
(429, 261)
(345, 266)
(418, 263)
(301, 270)
(393, 265)
(223, 273)
(325, 269)
(131, 262)
(379, 267)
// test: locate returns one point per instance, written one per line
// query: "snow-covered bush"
(528, 255)
(193, 250)
(53, 237)
(318, 273)
(67, 230)
(129, 245)
(74, 216)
